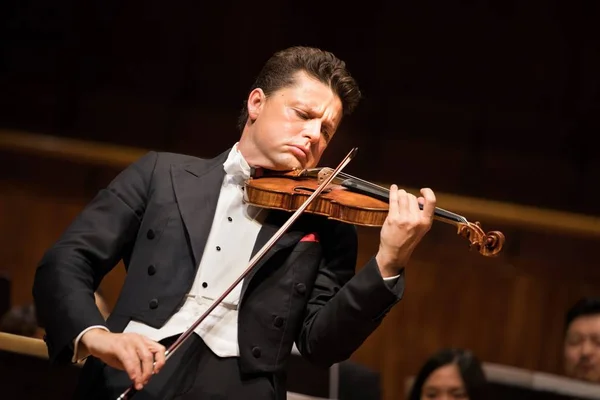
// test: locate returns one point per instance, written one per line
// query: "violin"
(349, 199)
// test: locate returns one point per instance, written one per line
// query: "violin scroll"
(488, 244)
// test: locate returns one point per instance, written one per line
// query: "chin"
(287, 164)
(592, 377)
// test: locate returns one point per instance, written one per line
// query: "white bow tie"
(236, 168)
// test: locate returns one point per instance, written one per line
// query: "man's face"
(582, 348)
(292, 127)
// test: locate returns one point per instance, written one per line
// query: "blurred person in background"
(581, 348)
(450, 374)
(21, 320)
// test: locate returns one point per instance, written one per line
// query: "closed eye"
(305, 116)
(302, 114)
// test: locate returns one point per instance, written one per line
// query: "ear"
(256, 99)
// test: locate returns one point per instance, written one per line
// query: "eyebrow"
(313, 111)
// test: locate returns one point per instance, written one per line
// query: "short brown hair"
(278, 72)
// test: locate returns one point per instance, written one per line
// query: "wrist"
(92, 336)
(388, 268)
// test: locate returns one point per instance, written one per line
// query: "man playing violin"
(184, 233)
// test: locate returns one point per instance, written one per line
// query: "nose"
(587, 348)
(313, 130)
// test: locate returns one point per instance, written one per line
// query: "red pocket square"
(311, 237)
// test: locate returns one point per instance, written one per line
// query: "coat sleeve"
(344, 307)
(98, 238)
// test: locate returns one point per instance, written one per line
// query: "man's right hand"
(137, 355)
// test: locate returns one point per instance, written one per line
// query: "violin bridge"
(324, 173)
(320, 174)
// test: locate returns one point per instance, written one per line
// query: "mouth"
(585, 367)
(300, 152)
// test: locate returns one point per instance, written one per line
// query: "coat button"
(256, 352)
(153, 304)
(278, 322)
(151, 270)
(300, 288)
(150, 234)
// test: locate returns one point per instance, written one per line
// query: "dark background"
(494, 99)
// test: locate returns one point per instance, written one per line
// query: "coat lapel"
(197, 187)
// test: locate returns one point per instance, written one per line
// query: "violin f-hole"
(298, 188)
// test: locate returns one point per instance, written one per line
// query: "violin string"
(440, 211)
(348, 176)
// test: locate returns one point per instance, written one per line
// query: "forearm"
(63, 312)
(335, 329)
(71, 270)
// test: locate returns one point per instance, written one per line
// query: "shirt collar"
(237, 169)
